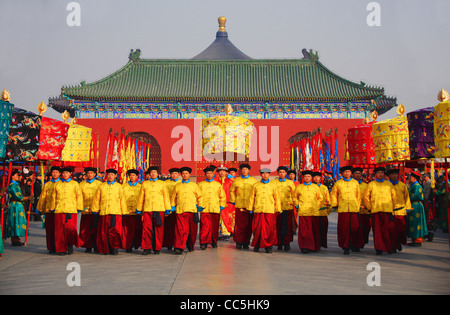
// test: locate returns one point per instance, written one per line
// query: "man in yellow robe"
(402, 205)
(324, 210)
(186, 201)
(110, 204)
(308, 199)
(380, 198)
(364, 214)
(215, 200)
(265, 203)
(153, 202)
(170, 217)
(67, 201)
(89, 221)
(286, 188)
(131, 221)
(239, 196)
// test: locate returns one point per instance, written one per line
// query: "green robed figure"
(417, 222)
(17, 221)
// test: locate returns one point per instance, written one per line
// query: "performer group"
(177, 212)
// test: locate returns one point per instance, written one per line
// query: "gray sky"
(408, 54)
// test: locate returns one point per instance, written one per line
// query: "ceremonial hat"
(90, 169)
(187, 169)
(328, 172)
(212, 166)
(379, 169)
(416, 175)
(152, 168)
(67, 169)
(317, 174)
(111, 170)
(307, 173)
(132, 171)
(232, 169)
(245, 165)
(357, 169)
(55, 168)
(292, 172)
(208, 169)
(265, 170)
(14, 172)
(285, 168)
(345, 168)
(392, 171)
(222, 168)
(174, 169)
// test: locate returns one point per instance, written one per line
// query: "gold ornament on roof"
(222, 20)
(42, 108)
(443, 96)
(65, 116)
(374, 115)
(6, 96)
(401, 110)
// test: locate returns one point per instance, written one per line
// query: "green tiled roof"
(223, 80)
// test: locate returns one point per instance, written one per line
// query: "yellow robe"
(363, 209)
(131, 193)
(264, 198)
(88, 190)
(171, 185)
(309, 199)
(403, 202)
(186, 196)
(325, 207)
(240, 191)
(214, 196)
(286, 190)
(67, 197)
(45, 199)
(154, 196)
(346, 195)
(109, 199)
(380, 196)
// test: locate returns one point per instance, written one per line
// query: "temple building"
(166, 101)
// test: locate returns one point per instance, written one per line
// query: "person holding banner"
(109, 204)
(239, 195)
(186, 201)
(227, 214)
(170, 219)
(215, 200)
(152, 203)
(44, 207)
(67, 201)
(16, 223)
(89, 221)
(132, 220)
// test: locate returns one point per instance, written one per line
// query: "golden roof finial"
(65, 116)
(374, 115)
(443, 96)
(401, 110)
(6, 96)
(222, 20)
(42, 108)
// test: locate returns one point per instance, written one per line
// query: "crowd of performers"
(156, 213)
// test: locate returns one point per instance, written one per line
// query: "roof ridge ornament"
(134, 55)
(6, 96)
(222, 21)
(310, 55)
(443, 96)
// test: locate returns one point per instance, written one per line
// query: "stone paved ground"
(31, 270)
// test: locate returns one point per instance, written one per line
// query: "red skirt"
(152, 232)
(109, 233)
(309, 232)
(400, 231)
(50, 231)
(383, 226)
(169, 230)
(366, 226)
(132, 231)
(264, 230)
(243, 226)
(185, 231)
(349, 232)
(88, 230)
(323, 226)
(285, 233)
(209, 228)
(66, 234)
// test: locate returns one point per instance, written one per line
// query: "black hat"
(245, 165)
(357, 169)
(416, 175)
(317, 174)
(232, 169)
(14, 172)
(132, 171)
(345, 168)
(265, 170)
(378, 169)
(67, 169)
(292, 172)
(392, 171)
(55, 168)
(111, 170)
(284, 168)
(307, 173)
(208, 169)
(90, 169)
(328, 172)
(174, 169)
(212, 166)
(185, 168)
(152, 168)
